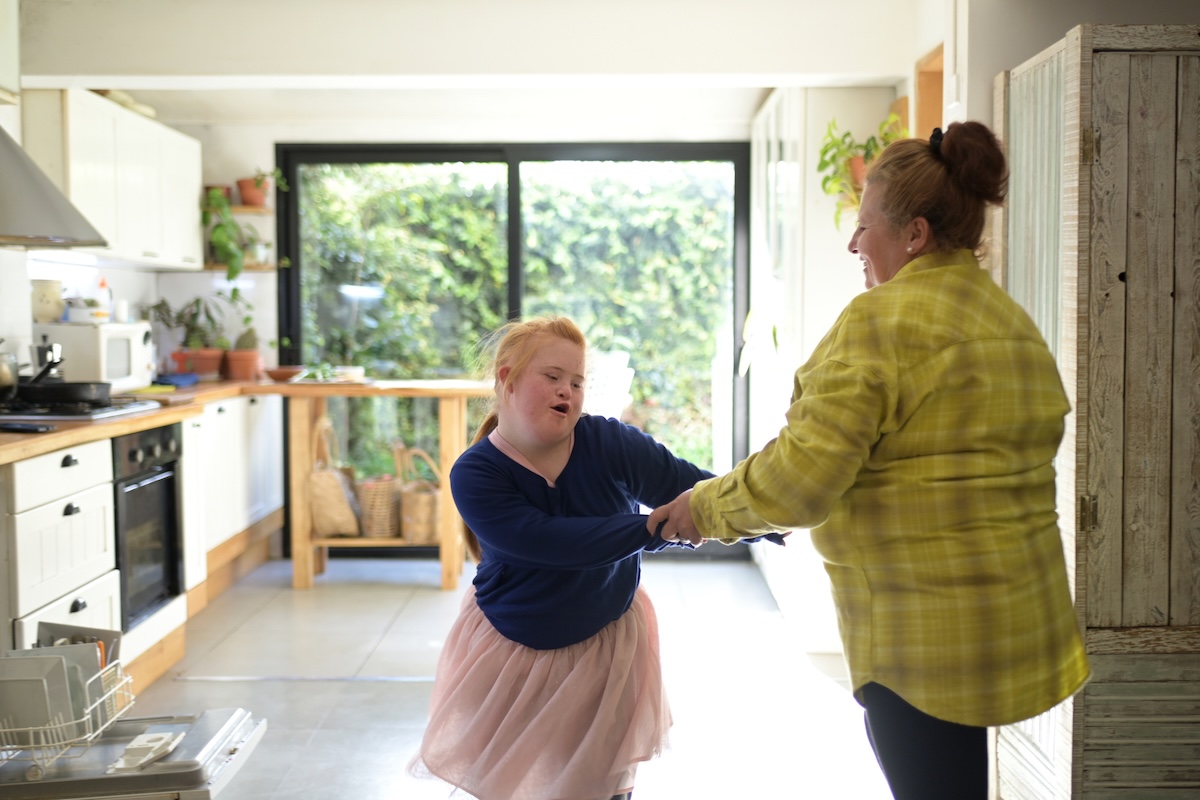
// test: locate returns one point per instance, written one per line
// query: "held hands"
(673, 522)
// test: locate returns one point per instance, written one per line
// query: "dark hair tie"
(935, 142)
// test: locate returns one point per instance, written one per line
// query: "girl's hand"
(676, 520)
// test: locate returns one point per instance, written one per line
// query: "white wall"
(996, 35)
(816, 277)
(454, 42)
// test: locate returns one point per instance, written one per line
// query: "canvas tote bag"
(334, 506)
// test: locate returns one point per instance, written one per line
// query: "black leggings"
(923, 757)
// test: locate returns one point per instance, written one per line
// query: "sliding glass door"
(403, 258)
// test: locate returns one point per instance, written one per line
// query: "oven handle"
(161, 474)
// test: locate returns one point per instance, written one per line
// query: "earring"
(909, 250)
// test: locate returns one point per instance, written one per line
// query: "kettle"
(8, 376)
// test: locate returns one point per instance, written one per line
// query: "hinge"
(1087, 146)
(1087, 518)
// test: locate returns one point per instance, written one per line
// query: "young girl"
(549, 686)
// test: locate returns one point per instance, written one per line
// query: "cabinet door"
(226, 469)
(53, 476)
(59, 546)
(264, 436)
(181, 187)
(10, 61)
(194, 503)
(90, 160)
(139, 188)
(95, 605)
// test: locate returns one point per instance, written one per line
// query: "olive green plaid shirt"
(918, 448)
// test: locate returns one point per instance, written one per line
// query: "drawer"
(58, 547)
(96, 605)
(52, 476)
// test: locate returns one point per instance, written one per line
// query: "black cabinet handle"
(71, 510)
(70, 461)
(79, 605)
(220, 409)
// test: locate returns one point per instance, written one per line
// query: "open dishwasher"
(66, 731)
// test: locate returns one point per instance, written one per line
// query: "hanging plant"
(843, 162)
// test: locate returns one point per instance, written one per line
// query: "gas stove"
(19, 411)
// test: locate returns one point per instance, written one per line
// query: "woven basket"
(380, 513)
(418, 497)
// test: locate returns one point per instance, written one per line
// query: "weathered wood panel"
(1141, 729)
(1154, 639)
(1106, 359)
(1185, 454)
(1144, 37)
(1148, 323)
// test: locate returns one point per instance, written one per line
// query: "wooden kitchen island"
(306, 403)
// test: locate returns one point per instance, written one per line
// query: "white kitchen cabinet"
(58, 529)
(96, 604)
(232, 474)
(226, 469)
(264, 436)
(139, 188)
(10, 52)
(137, 181)
(181, 185)
(193, 500)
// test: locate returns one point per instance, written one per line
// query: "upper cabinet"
(138, 181)
(10, 52)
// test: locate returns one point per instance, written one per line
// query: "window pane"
(403, 266)
(640, 254)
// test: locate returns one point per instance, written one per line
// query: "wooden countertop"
(188, 403)
(430, 388)
(19, 446)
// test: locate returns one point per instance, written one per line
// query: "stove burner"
(20, 410)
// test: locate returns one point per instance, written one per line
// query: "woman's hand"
(676, 521)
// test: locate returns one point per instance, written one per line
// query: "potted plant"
(843, 161)
(254, 190)
(243, 362)
(199, 323)
(227, 237)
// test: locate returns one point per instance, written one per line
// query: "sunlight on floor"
(342, 672)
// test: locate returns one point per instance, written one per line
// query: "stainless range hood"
(33, 212)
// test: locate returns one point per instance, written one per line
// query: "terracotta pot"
(858, 170)
(253, 195)
(225, 190)
(206, 362)
(182, 361)
(243, 365)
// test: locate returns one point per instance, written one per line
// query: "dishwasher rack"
(108, 695)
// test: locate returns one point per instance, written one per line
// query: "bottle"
(104, 299)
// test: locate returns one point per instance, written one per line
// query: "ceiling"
(642, 113)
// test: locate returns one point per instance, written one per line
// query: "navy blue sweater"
(559, 563)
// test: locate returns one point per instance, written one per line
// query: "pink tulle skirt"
(508, 722)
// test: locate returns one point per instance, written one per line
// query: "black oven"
(149, 546)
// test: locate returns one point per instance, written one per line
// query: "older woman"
(919, 448)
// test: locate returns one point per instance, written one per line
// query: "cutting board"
(163, 395)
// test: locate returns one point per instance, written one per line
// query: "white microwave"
(117, 353)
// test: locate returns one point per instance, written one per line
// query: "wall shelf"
(217, 267)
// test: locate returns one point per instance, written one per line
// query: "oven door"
(149, 554)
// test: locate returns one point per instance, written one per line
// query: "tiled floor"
(342, 673)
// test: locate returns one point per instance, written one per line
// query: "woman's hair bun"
(974, 160)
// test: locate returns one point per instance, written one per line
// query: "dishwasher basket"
(106, 697)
